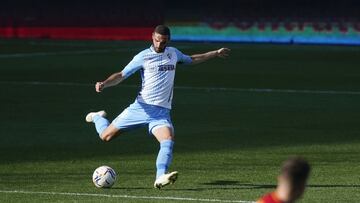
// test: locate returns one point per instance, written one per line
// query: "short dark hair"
(296, 170)
(163, 30)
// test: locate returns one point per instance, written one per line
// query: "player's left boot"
(166, 179)
(89, 116)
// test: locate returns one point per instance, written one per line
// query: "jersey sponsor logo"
(166, 67)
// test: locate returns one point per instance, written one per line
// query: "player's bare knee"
(108, 136)
(105, 137)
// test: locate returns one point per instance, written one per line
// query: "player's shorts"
(140, 114)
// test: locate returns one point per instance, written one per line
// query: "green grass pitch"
(236, 120)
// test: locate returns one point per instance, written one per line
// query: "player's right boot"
(90, 116)
(166, 179)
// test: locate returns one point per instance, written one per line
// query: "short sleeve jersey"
(157, 72)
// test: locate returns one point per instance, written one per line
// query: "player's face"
(159, 42)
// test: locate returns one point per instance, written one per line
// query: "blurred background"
(277, 21)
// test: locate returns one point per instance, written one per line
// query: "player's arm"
(199, 58)
(112, 80)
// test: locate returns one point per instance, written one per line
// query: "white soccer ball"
(104, 177)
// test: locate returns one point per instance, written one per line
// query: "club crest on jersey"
(169, 55)
(166, 67)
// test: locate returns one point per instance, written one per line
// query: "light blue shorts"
(140, 114)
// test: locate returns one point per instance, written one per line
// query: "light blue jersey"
(157, 73)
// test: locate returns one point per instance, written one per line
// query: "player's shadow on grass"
(238, 183)
(224, 185)
(231, 184)
(333, 186)
(235, 185)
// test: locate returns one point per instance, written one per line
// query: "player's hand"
(99, 86)
(223, 52)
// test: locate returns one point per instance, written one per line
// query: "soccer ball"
(104, 177)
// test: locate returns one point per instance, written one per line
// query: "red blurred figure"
(291, 182)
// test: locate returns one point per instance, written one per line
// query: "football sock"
(101, 124)
(164, 157)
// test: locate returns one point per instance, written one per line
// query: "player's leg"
(105, 130)
(132, 117)
(109, 133)
(166, 139)
(165, 135)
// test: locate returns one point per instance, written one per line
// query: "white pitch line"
(45, 83)
(271, 90)
(122, 196)
(289, 91)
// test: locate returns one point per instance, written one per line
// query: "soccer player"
(291, 182)
(157, 66)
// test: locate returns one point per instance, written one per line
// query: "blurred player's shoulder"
(174, 50)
